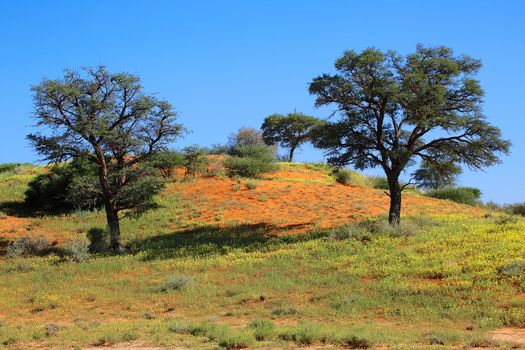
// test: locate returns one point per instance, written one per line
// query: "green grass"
(203, 287)
(454, 272)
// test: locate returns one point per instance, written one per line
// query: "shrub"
(67, 186)
(98, 240)
(176, 283)
(181, 328)
(263, 329)
(77, 250)
(353, 342)
(247, 167)
(304, 334)
(261, 152)
(218, 149)
(381, 226)
(51, 329)
(515, 268)
(250, 161)
(9, 167)
(378, 182)
(463, 195)
(516, 208)
(284, 311)
(226, 337)
(165, 161)
(27, 245)
(195, 161)
(251, 185)
(350, 177)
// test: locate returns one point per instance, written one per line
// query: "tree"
(108, 119)
(436, 175)
(248, 137)
(195, 160)
(289, 131)
(245, 137)
(393, 110)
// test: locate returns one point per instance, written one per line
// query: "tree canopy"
(393, 110)
(107, 119)
(289, 131)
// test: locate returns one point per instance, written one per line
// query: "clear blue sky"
(227, 64)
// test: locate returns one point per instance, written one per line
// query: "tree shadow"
(206, 241)
(17, 209)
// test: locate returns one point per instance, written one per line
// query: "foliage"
(463, 195)
(195, 161)
(176, 283)
(436, 175)
(263, 329)
(389, 106)
(250, 161)
(218, 149)
(67, 186)
(289, 131)
(108, 119)
(77, 250)
(379, 182)
(165, 161)
(27, 246)
(350, 177)
(246, 137)
(10, 167)
(251, 185)
(516, 208)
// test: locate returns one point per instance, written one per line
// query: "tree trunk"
(394, 214)
(109, 202)
(114, 229)
(290, 155)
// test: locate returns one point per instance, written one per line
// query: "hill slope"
(204, 272)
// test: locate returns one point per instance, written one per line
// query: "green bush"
(165, 161)
(9, 167)
(195, 161)
(65, 187)
(250, 161)
(350, 177)
(516, 208)
(378, 182)
(263, 329)
(463, 195)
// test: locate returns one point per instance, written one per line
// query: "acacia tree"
(108, 119)
(394, 110)
(289, 131)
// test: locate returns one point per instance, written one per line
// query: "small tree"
(436, 175)
(289, 131)
(108, 119)
(394, 109)
(246, 137)
(195, 160)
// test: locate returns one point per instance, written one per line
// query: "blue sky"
(228, 64)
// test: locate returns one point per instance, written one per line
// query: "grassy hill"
(291, 260)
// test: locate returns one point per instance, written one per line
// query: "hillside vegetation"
(293, 259)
